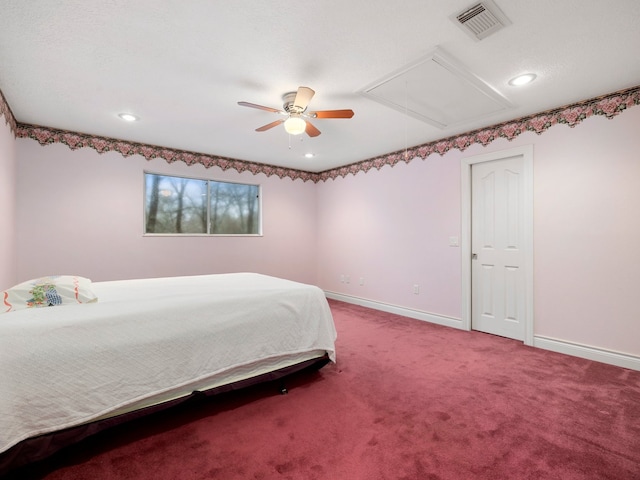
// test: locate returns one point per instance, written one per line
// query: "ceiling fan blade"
(269, 125)
(303, 97)
(311, 130)
(332, 114)
(260, 107)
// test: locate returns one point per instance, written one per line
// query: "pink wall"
(587, 233)
(392, 227)
(8, 265)
(80, 212)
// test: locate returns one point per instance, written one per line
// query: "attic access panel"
(437, 90)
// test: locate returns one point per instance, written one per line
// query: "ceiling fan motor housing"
(289, 107)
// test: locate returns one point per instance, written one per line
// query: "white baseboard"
(590, 353)
(405, 312)
(573, 349)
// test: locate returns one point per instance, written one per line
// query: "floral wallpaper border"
(571, 115)
(5, 111)
(73, 140)
(608, 105)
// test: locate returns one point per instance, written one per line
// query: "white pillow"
(48, 292)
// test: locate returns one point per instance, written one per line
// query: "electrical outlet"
(416, 289)
(341, 278)
(361, 280)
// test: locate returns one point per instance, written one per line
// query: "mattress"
(232, 376)
(148, 341)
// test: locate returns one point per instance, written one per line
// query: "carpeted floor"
(406, 400)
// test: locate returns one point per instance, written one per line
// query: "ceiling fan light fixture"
(294, 125)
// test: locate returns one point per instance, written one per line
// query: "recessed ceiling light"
(128, 117)
(309, 155)
(522, 79)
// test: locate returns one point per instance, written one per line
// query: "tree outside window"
(180, 205)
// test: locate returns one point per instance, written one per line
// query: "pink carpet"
(406, 400)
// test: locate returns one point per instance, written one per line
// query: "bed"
(68, 371)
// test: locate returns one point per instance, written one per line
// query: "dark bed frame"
(39, 448)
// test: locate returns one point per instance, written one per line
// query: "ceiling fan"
(295, 106)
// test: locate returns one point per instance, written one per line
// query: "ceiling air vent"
(481, 20)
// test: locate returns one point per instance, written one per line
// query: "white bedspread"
(64, 366)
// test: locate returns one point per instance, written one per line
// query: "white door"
(498, 247)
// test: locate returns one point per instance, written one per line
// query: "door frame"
(526, 152)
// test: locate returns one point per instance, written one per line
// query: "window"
(190, 206)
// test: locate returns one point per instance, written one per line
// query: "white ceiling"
(182, 66)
